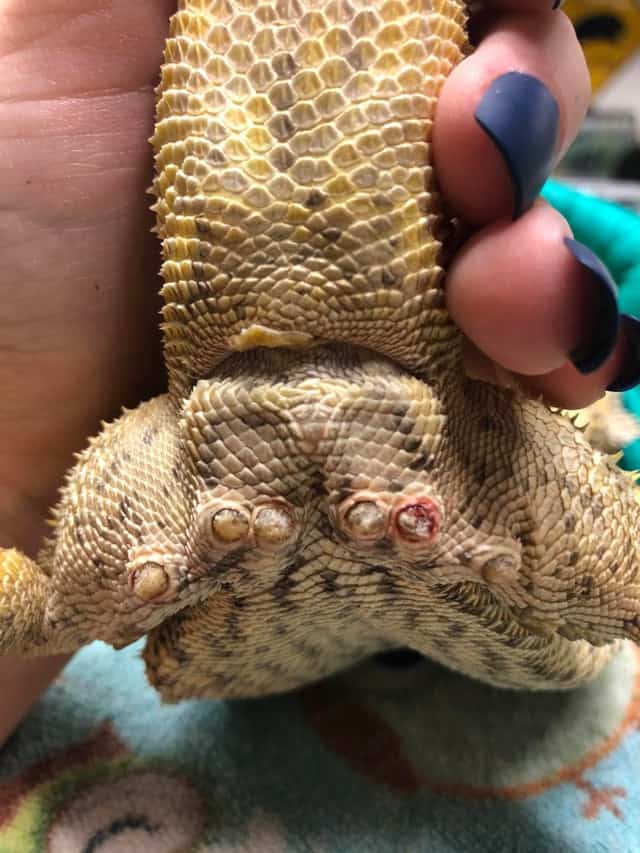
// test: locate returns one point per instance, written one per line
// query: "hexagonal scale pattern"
(294, 183)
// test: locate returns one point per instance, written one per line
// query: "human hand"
(78, 317)
(523, 299)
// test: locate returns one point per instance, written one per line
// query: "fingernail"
(629, 374)
(557, 4)
(521, 116)
(606, 318)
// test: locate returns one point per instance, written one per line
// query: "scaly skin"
(321, 481)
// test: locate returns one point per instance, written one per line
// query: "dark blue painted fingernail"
(557, 4)
(606, 318)
(629, 374)
(521, 116)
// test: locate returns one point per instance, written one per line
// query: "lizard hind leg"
(570, 512)
(115, 562)
(24, 589)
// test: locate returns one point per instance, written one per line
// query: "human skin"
(78, 319)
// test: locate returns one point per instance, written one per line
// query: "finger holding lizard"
(538, 309)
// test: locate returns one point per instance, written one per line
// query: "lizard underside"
(321, 481)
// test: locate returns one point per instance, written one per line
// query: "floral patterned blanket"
(411, 758)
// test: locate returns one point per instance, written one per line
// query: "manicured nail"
(629, 374)
(521, 116)
(557, 4)
(606, 318)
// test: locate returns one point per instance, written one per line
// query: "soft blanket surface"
(418, 759)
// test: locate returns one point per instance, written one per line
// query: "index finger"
(508, 112)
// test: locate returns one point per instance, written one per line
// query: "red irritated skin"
(417, 521)
(412, 522)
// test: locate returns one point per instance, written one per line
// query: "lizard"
(321, 481)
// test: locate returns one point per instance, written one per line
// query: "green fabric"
(382, 761)
(613, 232)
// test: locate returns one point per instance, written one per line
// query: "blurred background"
(605, 159)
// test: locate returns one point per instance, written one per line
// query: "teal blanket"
(386, 759)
